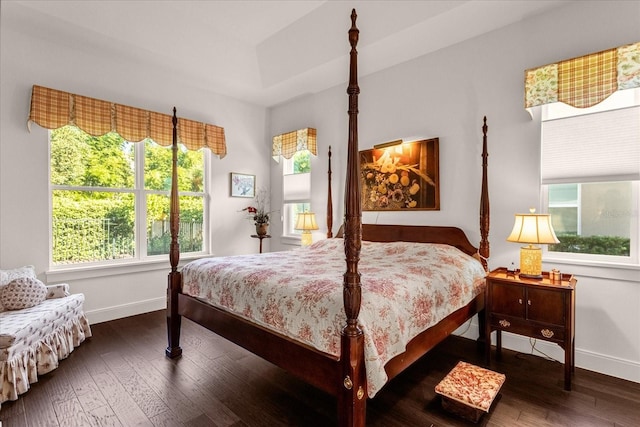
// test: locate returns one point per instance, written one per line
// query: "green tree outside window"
(94, 197)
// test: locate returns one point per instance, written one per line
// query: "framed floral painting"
(243, 185)
(401, 177)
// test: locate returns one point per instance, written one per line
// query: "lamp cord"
(533, 342)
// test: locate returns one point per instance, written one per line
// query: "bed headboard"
(418, 234)
(453, 236)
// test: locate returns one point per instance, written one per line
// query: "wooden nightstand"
(538, 308)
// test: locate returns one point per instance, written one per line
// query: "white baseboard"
(614, 366)
(585, 359)
(591, 361)
(125, 310)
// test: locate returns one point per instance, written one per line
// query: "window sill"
(290, 240)
(70, 273)
(601, 270)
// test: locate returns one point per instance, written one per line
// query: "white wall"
(446, 94)
(30, 56)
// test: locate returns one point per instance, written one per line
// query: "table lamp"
(534, 229)
(306, 222)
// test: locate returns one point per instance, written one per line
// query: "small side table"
(538, 308)
(264, 236)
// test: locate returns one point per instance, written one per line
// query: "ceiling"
(268, 52)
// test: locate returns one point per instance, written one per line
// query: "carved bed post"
(483, 249)
(353, 396)
(329, 200)
(175, 278)
(484, 202)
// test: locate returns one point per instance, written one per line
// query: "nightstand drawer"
(523, 327)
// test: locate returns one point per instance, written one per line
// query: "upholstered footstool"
(469, 390)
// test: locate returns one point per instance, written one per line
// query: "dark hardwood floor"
(120, 377)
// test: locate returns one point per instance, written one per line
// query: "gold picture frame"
(401, 177)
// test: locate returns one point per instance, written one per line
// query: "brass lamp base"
(306, 238)
(531, 262)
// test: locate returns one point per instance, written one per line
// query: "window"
(296, 190)
(110, 198)
(590, 170)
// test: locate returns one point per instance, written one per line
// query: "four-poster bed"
(345, 368)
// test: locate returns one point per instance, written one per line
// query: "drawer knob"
(348, 384)
(504, 323)
(547, 333)
(519, 300)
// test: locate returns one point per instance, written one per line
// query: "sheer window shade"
(296, 188)
(572, 148)
(51, 109)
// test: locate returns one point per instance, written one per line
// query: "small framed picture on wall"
(243, 185)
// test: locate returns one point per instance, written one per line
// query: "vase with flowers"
(259, 212)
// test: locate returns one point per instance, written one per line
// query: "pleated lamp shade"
(533, 229)
(306, 222)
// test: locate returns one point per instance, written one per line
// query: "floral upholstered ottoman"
(469, 390)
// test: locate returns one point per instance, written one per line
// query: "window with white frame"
(110, 198)
(296, 190)
(590, 172)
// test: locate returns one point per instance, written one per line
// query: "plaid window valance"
(585, 81)
(287, 144)
(51, 109)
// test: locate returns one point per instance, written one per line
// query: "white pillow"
(7, 276)
(60, 290)
(22, 293)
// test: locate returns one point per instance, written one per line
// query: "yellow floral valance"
(585, 81)
(51, 109)
(287, 144)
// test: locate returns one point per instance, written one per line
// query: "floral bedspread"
(406, 288)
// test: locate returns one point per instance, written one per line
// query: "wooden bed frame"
(342, 376)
